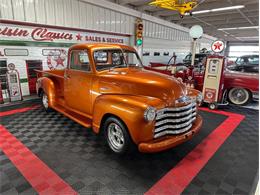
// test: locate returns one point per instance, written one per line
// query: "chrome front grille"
(173, 121)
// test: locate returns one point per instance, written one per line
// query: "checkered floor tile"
(82, 159)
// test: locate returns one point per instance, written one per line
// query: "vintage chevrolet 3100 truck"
(105, 87)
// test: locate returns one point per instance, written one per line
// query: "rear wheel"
(239, 96)
(45, 102)
(117, 136)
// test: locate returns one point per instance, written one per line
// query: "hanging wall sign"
(42, 34)
(218, 46)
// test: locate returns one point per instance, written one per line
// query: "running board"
(223, 104)
(84, 121)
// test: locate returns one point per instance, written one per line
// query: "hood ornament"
(183, 99)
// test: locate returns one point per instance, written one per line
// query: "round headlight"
(150, 114)
(199, 98)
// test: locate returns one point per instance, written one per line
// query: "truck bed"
(48, 73)
(57, 76)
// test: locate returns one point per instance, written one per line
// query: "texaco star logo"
(218, 46)
(56, 58)
(209, 95)
(79, 37)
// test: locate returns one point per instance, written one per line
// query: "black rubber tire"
(47, 109)
(246, 101)
(128, 145)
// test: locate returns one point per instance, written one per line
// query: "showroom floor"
(68, 158)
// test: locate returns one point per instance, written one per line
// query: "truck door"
(78, 81)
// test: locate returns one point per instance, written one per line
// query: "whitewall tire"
(239, 96)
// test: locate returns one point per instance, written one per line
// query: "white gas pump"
(13, 81)
(214, 82)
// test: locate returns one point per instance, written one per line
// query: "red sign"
(47, 34)
(209, 95)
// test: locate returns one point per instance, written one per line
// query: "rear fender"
(46, 85)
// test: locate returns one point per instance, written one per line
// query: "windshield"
(188, 57)
(115, 58)
(248, 60)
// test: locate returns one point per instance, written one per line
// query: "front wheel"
(239, 96)
(117, 136)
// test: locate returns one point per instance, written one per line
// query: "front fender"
(130, 109)
(193, 92)
(47, 86)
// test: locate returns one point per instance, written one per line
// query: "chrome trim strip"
(175, 114)
(172, 132)
(173, 126)
(178, 108)
(175, 120)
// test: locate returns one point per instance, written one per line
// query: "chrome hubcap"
(45, 101)
(239, 96)
(115, 136)
(212, 106)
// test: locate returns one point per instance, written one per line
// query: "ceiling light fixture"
(227, 29)
(253, 37)
(201, 12)
(248, 27)
(228, 8)
(239, 28)
(219, 9)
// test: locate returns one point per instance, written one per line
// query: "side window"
(239, 61)
(80, 61)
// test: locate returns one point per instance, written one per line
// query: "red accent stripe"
(177, 179)
(38, 174)
(6, 113)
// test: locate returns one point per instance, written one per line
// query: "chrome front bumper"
(256, 95)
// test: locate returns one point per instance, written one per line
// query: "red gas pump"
(214, 82)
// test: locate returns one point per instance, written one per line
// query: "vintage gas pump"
(214, 82)
(13, 81)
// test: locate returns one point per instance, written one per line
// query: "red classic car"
(241, 87)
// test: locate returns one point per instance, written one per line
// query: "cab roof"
(94, 46)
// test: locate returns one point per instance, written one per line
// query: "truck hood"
(137, 81)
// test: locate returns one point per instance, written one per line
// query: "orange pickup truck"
(106, 87)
